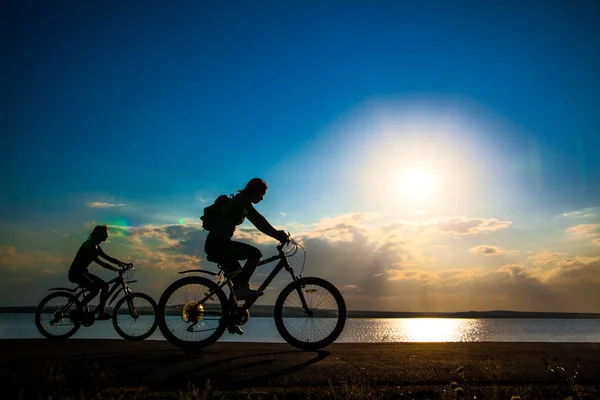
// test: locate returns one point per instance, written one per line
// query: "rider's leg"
(103, 298)
(86, 280)
(243, 251)
(243, 278)
(99, 285)
(228, 252)
(89, 296)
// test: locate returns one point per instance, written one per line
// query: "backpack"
(215, 212)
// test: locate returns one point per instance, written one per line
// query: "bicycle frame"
(80, 291)
(283, 263)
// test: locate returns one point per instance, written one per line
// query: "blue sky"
(463, 124)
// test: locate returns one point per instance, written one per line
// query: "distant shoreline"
(267, 311)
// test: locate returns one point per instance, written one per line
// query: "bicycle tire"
(38, 316)
(305, 343)
(167, 332)
(125, 299)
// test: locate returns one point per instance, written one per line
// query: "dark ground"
(78, 366)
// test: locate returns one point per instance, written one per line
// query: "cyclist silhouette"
(220, 247)
(90, 251)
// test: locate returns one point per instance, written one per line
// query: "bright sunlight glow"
(417, 185)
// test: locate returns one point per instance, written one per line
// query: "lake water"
(370, 330)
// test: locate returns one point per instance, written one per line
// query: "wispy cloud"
(576, 214)
(49, 271)
(463, 226)
(546, 257)
(98, 204)
(585, 230)
(12, 259)
(487, 250)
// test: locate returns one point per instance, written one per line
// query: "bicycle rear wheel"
(310, 332)
(135, 316)
(54, 316)
(193, 313)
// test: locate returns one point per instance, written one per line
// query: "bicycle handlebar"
(281, 244)
(127, 267)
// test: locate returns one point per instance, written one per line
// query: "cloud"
(26, 276)
(588, 231)
(392, 227)
(12, 259)
(576, 272)
(166, 261)
(284, 214)
(585, 230)
(546, 257)
(347, 219)
(487, 250)
(463, 226)
(342, 228)
(577, 214)
(97, 204)
(562, 264)
(49, 271)
(378, 263)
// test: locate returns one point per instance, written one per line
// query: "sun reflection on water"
(422, 330)
(437, 330)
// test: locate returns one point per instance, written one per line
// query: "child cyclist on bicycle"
(226, 252)
(90, 251)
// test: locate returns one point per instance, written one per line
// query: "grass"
(69, 379)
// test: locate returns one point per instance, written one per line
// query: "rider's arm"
(261, 222)
(105, 264)
(102, 254)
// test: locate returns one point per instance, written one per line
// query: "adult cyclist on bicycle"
(90, 251)
(226, 252)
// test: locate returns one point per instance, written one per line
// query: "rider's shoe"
(104, 316)
(235, 329)
(243, 292)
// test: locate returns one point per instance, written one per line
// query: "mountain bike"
(60, 314)
(193, 312)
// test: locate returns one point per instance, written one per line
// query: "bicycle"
(63, 309)
(194, 322)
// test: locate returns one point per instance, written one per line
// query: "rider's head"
(255, 189)
(99, 234)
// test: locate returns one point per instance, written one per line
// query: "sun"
(418, 185)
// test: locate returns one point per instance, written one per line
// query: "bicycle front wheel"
(324, 321)
(193, 313)
(54, 316)
(134, 316)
